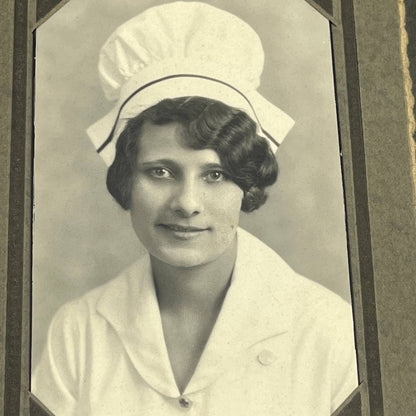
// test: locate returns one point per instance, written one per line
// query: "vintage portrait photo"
(190, 250)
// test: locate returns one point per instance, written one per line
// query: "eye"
(215, 176)
(160, 173)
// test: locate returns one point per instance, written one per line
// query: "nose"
(187, 199)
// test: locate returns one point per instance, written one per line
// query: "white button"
(266, 357)
(184, 402)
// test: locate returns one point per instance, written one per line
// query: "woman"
(211, 320)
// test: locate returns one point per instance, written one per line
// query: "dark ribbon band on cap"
(110, 136)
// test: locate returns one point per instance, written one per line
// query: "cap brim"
(273, 123)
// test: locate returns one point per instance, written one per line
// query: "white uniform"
(282, 345)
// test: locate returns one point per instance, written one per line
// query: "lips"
(183, 228)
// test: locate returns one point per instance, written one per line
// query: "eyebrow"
(213, 166)
(157, 161)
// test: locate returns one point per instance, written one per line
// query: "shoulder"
(320, 303)
(78, 311)
(320, 321)
(307, 299)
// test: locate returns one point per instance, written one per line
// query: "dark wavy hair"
(208, 124)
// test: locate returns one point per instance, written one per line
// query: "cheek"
(146, 195)
(228, 206)
(145, 204)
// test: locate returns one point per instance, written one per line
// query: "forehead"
(167, 142)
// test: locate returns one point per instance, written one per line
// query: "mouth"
(183, 231)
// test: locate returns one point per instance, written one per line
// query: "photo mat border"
(379, 202)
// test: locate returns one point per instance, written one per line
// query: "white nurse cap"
(183, 49)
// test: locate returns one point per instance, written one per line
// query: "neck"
(201, 288)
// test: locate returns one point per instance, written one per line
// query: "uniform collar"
(256, 307)
(130, 305)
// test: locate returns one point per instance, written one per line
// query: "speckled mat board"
(377, 148)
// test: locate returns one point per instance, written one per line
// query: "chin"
(183, 258)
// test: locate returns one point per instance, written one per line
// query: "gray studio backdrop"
(82, 238)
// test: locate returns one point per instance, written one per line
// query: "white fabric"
(282, 345)
(184, 38)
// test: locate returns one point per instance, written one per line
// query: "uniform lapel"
(255, 309)
(130, 305)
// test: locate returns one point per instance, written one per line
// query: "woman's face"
(184, 208)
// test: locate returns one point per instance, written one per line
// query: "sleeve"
(343, 359)
(54, 380)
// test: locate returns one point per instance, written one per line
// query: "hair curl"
(208, 124)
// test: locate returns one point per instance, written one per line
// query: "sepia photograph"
(189, 232)
(207, 207)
